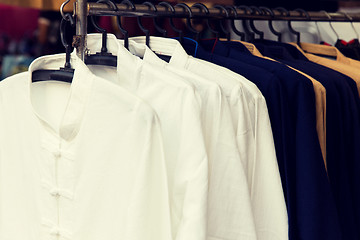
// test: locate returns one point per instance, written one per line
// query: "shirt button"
(55, 193)
(55, 231)
(57, 154)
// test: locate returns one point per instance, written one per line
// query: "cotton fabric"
(81, 161)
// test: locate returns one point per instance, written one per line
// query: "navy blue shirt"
(291, 105)
(343, 131)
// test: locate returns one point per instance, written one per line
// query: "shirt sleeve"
(257, 151)
(229, 206)
(266, 188)
(149, 213)
(190, 191)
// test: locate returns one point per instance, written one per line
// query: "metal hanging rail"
(81, 9)
(84, 9)
(143, 10)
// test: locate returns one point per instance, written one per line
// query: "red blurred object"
(17, 21)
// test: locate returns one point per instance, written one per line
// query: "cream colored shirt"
(254, 135)
(177, 105)
(229, 208)
(83, 161)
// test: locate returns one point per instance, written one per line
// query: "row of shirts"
(229, 144)
(311, 87)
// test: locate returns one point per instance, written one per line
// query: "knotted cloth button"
(55, 192)
(57, 154)
(55, 231)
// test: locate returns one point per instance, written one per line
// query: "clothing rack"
(84, 9)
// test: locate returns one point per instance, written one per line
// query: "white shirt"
(254, 135)
(229, 205)
(176, 105)
(83, 161)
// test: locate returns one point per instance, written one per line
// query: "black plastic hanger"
(256, 11)
(271, 26)
(103, 57)
(202, 7)
(222, 27)
(188, 20)
(232, 23)
(159, 29)
(66, 73)
(162, 31)
(172, 25)
(122, 30)
(249, 34)
(290, 27)
(144, 30)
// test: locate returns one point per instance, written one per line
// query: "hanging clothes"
(229, 205)
(207, 140)
(236, 49)
(280, 94)
(342, 128)
(313, 49)
(178, 108)
(79, 161)
(267, 197)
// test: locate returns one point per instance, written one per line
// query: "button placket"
(55, 230)
(55, 180)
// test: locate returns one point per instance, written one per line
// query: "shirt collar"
(166, 46)
(279, 50)
(325, 50)
(244, 47)
(94, 43)
(195, 49)
(140, 49)
(128, 65)
(80, 89)
(222, 48)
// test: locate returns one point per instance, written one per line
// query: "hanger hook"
(202, 6)
(188, 19)
(303, 13)
(331, 26)
(252, 24)
(157, 27)
(143, 29)
(101, 30)
(223, 28)
(172, 25)
(291, 29)
(123, 30)
(247, 10)
(271, 26)
(62, 8)
(67, 18)
(351, 22)
(232, 23)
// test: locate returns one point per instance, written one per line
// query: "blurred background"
(30, 28)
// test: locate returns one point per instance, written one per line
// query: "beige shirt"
(320, 97)
(329, 51)
(340, 66)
